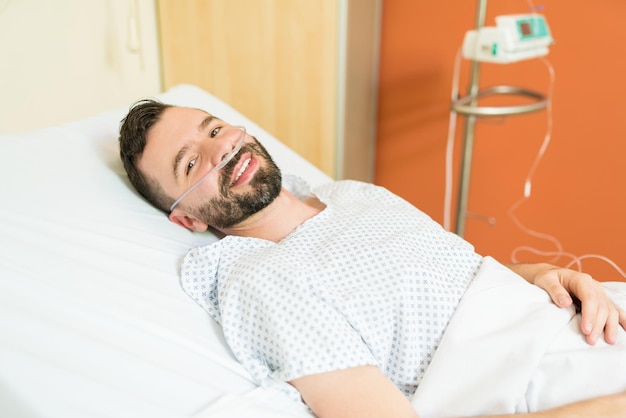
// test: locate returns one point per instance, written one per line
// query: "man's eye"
(190, 165)
(215, 131)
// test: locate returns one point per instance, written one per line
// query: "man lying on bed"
(346, 293)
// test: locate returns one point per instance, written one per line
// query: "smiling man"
(340, 297)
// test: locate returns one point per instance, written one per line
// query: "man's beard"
(229, 209)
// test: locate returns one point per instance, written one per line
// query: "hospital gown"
(370, 280)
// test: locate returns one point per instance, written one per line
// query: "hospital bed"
(94, 323)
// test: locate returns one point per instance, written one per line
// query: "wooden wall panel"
(273, 60)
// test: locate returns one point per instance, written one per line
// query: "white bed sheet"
(93, 321)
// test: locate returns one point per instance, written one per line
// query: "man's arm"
(358, 392)
(599, 313)
(365, 392)
(612, 406)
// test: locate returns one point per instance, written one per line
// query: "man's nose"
(224, 143)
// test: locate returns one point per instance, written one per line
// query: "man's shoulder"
(354, 189)
(349, 185)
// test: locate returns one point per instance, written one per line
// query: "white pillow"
(92, 317)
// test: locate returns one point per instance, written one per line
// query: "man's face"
(185, 144)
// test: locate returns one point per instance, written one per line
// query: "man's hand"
(599, 313)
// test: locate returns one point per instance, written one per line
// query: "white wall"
(65, 59)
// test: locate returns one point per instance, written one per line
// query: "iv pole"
(468, 106)
(470, 122)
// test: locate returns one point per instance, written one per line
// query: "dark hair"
(134, 129)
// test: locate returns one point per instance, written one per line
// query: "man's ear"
(182, 218)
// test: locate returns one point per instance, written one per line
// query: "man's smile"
(244, 170)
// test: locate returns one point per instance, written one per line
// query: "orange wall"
(578, 191)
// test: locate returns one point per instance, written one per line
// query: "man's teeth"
(243, 168)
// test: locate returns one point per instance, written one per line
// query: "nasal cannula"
(222, 163)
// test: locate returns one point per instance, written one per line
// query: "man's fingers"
(558, 293)
(605, 318)
(600, 317)
(590, 311)
(593, 321)
(612, 324)
(562, 298)
(622, 317)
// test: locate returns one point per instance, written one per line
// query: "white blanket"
(509, 349)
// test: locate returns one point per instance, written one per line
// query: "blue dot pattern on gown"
(371, 280)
